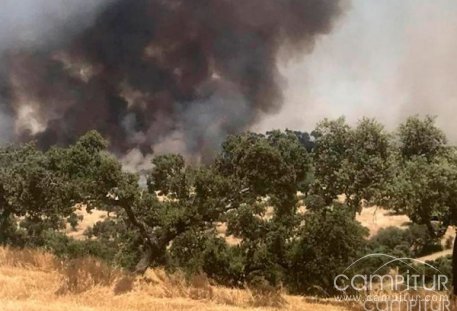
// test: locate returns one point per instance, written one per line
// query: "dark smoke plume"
(152, 73)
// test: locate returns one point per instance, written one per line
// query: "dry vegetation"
(376, 218)
(32, 280)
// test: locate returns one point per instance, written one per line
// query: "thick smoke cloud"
(35, 25)
(150, 74)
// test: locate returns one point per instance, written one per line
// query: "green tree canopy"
(351, 162)
(39, 190)
(420, 137)
(425, 183)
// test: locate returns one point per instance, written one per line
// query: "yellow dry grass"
(376, 218)
(88, 220)
(32, 280)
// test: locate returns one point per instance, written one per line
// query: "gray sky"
(38, 23)
(385, 59)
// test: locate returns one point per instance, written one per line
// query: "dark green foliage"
(68, 248)
(448, 244)
(39, 190)
(252, 187)
(266, 172)
(305, 139)
(351, 161)
(125, 242)
(411, 242)
(367, 167)
(31, 190)
(328, 243)
(332, 139)
(169, 176)
(415, 241)
(391, 241)
(73, 220)
(419, 137)
(425, 183)
(199, 252)
(425, 190)
(443, 265)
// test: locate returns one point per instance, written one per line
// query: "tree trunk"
(454, 267)
(151, 243)
(154, 245)
(4, 218)
(430, 229)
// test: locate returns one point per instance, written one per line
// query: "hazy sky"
(385, 59)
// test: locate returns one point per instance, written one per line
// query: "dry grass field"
(37, 281)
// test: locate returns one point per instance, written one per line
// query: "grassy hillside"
(37, 281)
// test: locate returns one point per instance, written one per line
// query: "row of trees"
(251, 186)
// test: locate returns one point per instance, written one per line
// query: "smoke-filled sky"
(385, 59)
(176, 75)
(36, 25)
(152, 75)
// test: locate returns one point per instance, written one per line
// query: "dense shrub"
(196, 252)
(69, 248)
(444, 267)
(414, 241)
(328, 243)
